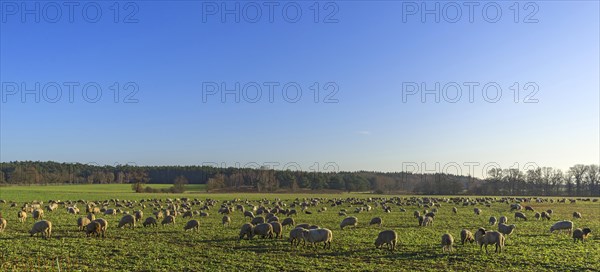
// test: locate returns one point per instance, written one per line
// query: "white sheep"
(447, 241)
(520, 215)
(477, 211)
(168, 220)
(264, 230)
(103, 224)
(82, 222)
(315, 236)
(490, 237)
(376, 221)
(226, 220)
(577, 215)
(93, 228)
(277, 229)
(22, 216)
(506, 229)
(257, 220)
(581, 234)
(246, 230)
(296, 236)
(150, 221)
(349, 221)
(562, 225)
(288, 221)
(466, 236)
(2, 224)
(493, 220)
(387, 237)
(38, 214)
(427, 221)
(44, 227)
(503, 220)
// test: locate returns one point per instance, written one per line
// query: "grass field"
(216, 248)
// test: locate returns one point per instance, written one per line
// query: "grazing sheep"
(158, 214)
(127, 219)
(303, 225)
(549, 211)
(466, 236)
(38, 214)
(529, 208)
(93, 228)
(138, 215)
(248, 214)
(349, 221)
(454, 210)
(562, 225)
(188, 214)
(296, 236)
(257, 220)
(537, 216)
(103, 224)
(479, 234)
(581, 234)
(342, 214)
(192, 224)
(387, 237)
(44, 227)
(427, 221)
(168, 220)
(545, 215)
(246, 230)
(506, 229)
(515, 207)
(493, 220)
(226, 220)
(110, 212)
(273, 219)
(477, 211)
(277, 229)
(2, 224)
(82, 222)
(315, 236)
(203, 214)
(520, 215)
(150, 221)
(91, 217)
(264, 230)
(490, 237)
(503, 220)
(420, 218)
(417, 214)
(376, 221)
(288, 221)
(22, 216)
(447, 241)
(430, 214)
(577, 215)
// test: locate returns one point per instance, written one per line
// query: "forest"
(578, 180)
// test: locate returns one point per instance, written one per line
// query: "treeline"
(579, 180)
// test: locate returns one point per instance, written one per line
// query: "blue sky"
(168, 50)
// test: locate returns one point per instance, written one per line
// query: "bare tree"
(578, 173)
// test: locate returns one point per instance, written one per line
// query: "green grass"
(216, 248)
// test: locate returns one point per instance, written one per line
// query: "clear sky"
(172, 62)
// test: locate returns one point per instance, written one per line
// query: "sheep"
(577, 215)
(204, 214)
(138, 215)
(93, 228)
(192, 224)
(493, 220)
(303, 225)
(168, 220)
(515, 207)
(264, 230)
(479, 234)
(427, 221)
(226, 220)
(246, 230)
(273, 219)
(315, 236)
(342, 214)
(529, 208)
(44, 227)
(257, 220)
(562, 225)
(2, 224)
(158, 214)
(103, 225)
(430, 214)
(454, 210)
(110, 212)
(420, 218)
(188, 214)
(288, 221)
(520, 215)
(581, 234)
(490, 237)
(277, 229)
(417, 214)
(549, 211)
(38, 214)
(376, 221)
(537, 216)
(506, 229)
(248, 214)
(503, 220)
(150, 221)
(466, 236)
(477, 211)
(447, 241)
(127, 219)
(296, 236)
(545, 215)
(91, 217)
(82, 222)
(387, 237)
(349, 221)
(22, 216)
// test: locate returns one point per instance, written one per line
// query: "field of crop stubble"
(217, 248)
